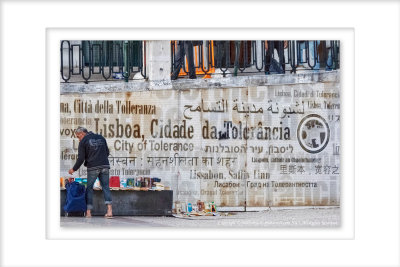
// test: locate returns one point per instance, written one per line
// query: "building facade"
(242, 134)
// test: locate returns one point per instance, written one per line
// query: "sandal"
(108, 216)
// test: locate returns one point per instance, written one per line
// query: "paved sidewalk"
(303, 217)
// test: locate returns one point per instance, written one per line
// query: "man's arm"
(80, 160)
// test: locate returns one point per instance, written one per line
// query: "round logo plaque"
(313, 133)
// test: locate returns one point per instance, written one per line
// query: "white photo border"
(27, 237)
(345, 231)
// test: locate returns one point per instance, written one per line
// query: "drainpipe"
(237, 54)
(126, 67)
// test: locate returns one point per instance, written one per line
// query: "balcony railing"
(260, 57)
(101, 60)
(90, 61)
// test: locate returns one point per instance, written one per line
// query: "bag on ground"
(75, 201)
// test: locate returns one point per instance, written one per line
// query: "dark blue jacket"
(93, 151)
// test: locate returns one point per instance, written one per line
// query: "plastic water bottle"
(189, 207)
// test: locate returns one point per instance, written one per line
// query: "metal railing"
(261, 57)
(90, 61)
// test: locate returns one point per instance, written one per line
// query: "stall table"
(130, 203)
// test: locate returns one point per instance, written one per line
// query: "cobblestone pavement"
(304, 217)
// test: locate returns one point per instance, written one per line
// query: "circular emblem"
(313, 133)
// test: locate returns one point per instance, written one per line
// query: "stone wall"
(255, 141)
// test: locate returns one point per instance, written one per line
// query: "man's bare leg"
(109, 211)
(88, 213)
